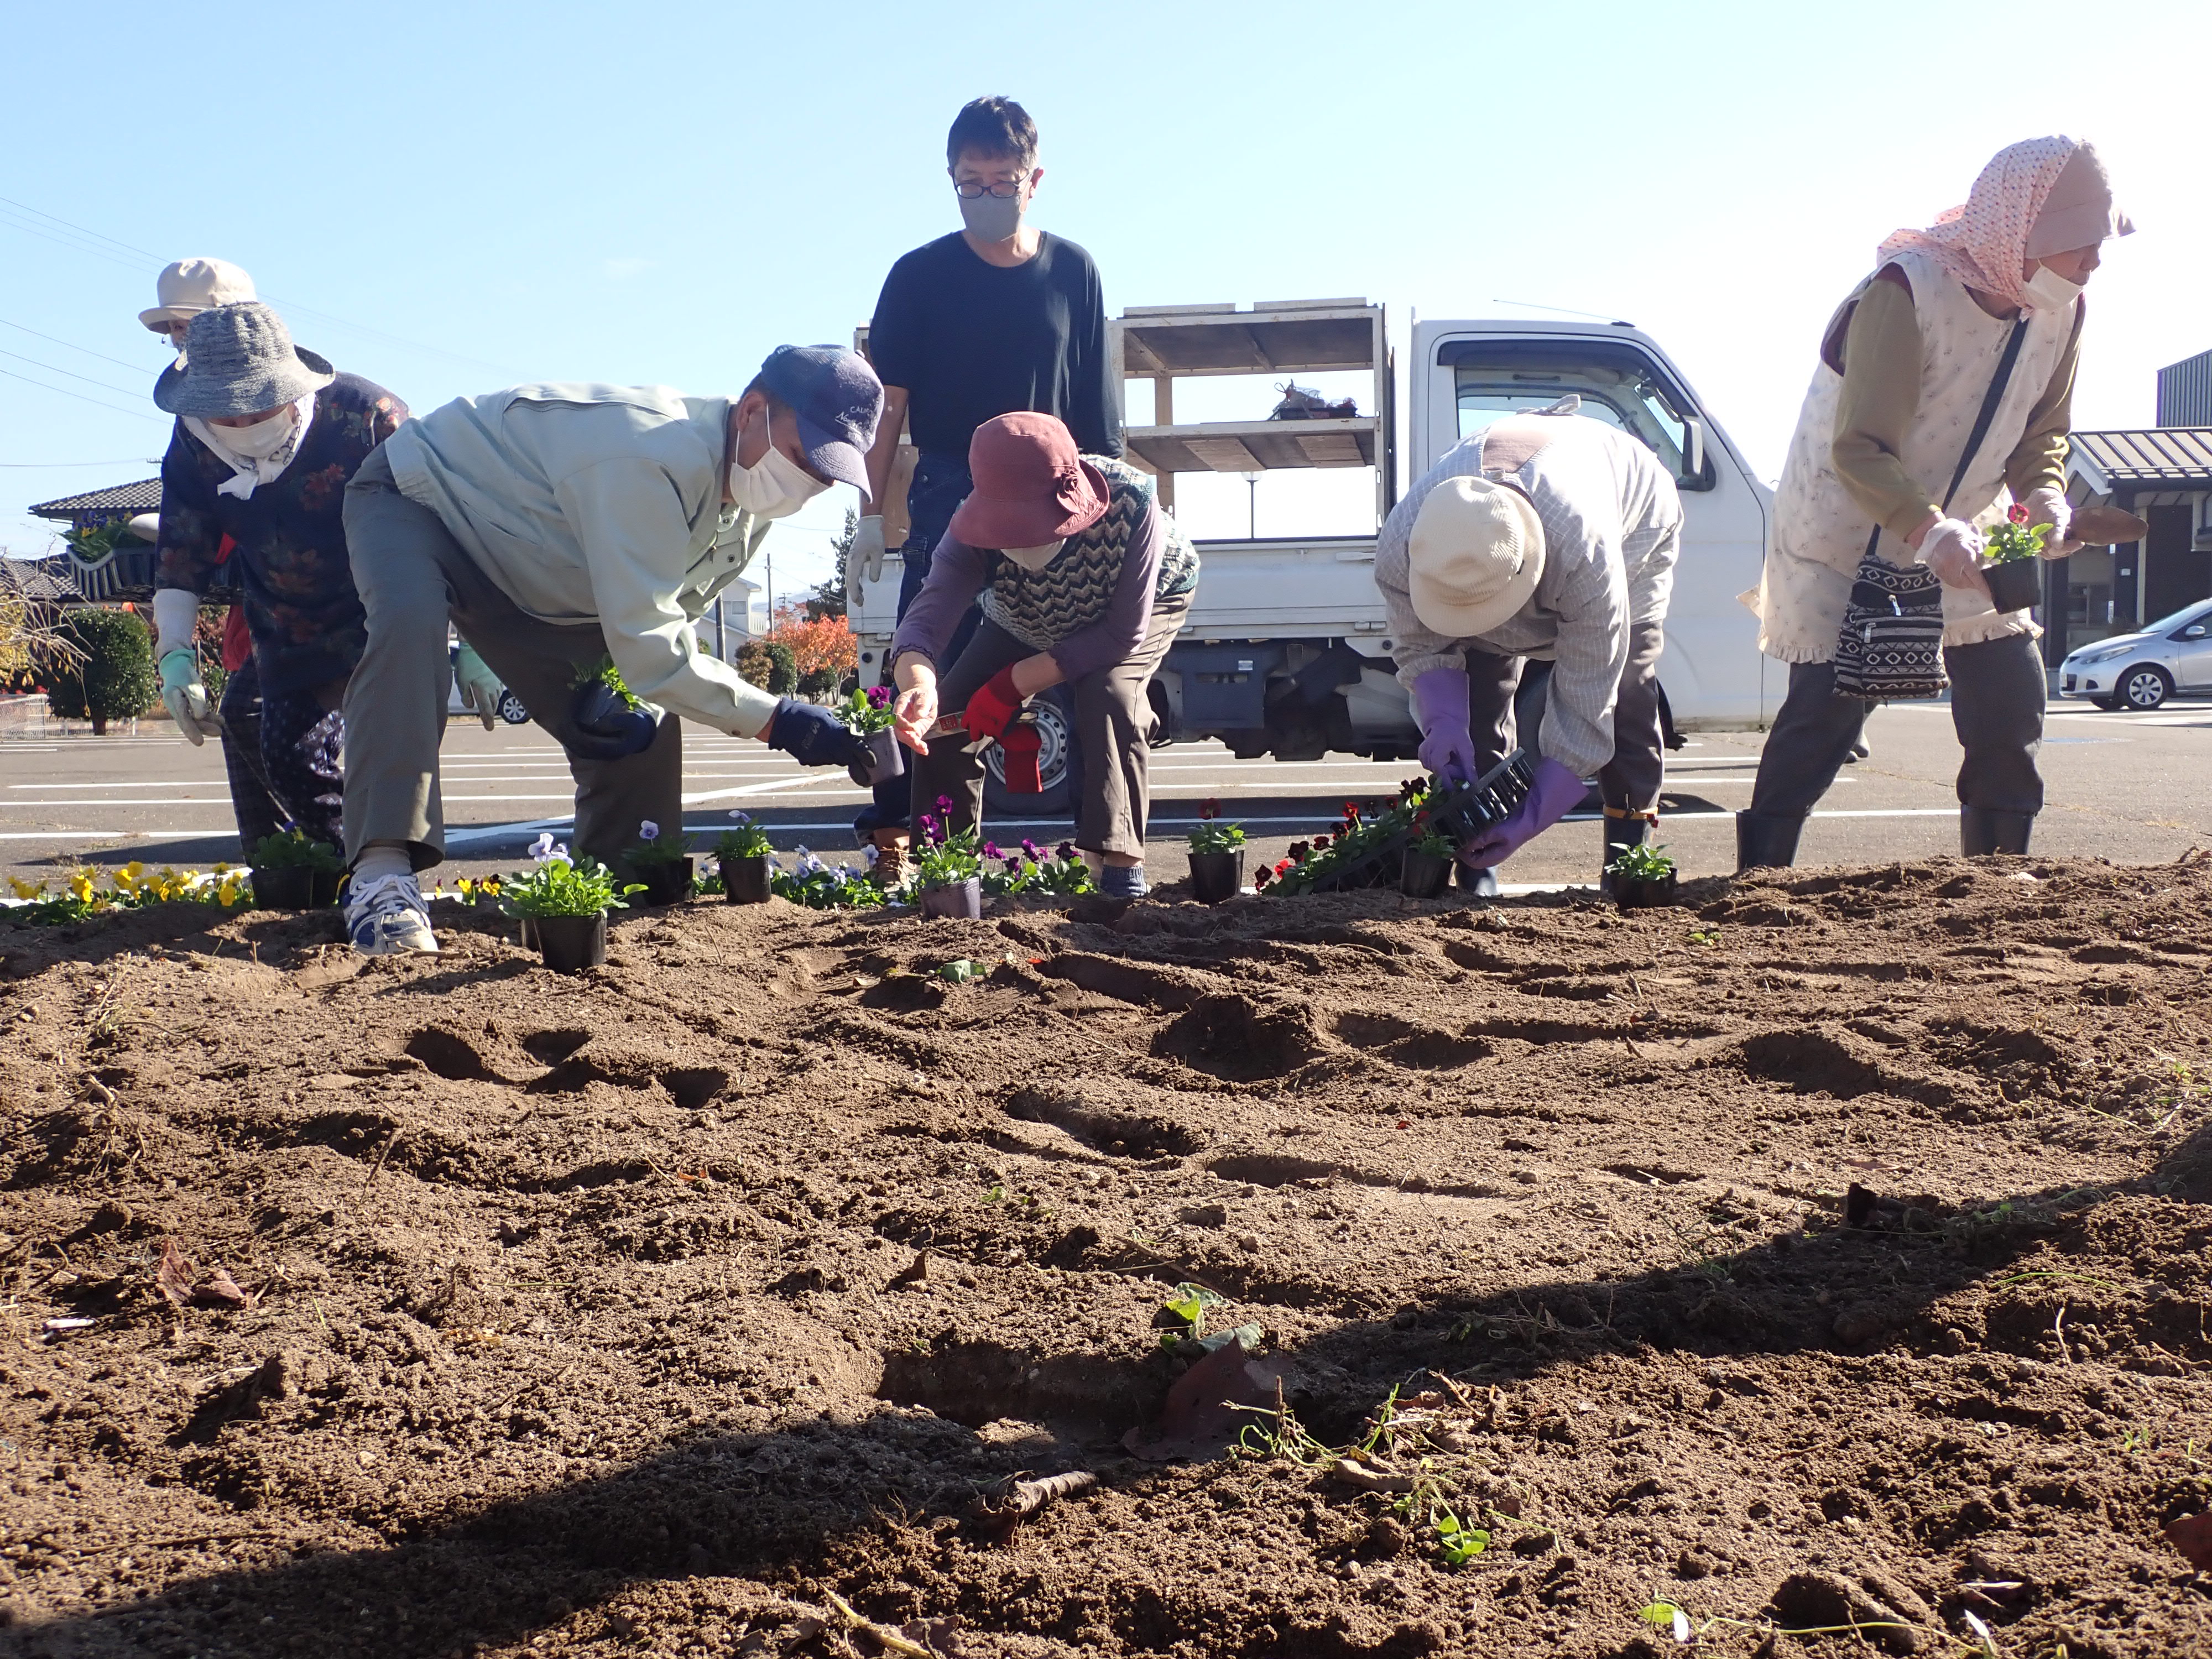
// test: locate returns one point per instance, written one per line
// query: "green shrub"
(115, 680)
(770, 665)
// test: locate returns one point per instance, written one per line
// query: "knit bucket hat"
(238, 360)
(1475, 556)
(1031, 484)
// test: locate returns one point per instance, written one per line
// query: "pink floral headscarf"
(1984, 243)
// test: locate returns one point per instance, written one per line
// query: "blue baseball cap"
(838, 400)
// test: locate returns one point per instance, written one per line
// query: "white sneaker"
(387, 917)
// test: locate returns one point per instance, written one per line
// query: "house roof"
(40, 579)
(144, 496)
(2156, 458)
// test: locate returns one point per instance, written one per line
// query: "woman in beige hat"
(185, 289)
(1549, 535)
(1942, 398)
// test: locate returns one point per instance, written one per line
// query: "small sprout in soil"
(1704, 936)
(1182, 1316)
(959, 972)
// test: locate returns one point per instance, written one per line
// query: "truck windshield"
(1618, 385)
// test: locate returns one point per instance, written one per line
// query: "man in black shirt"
(996, 318)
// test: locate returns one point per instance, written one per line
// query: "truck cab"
(1287, 651)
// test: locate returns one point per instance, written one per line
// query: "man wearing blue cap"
(558, 527)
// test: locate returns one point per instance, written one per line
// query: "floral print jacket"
(290, 559)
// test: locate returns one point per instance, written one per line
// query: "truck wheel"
(2145, 686)
(1058, 762)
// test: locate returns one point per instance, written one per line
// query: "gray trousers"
(1632, 780)
(1113, 724)
(1997, 695)
(413, 578)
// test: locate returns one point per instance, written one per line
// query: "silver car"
(2141, 671)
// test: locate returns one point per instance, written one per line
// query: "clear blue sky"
(450, 198)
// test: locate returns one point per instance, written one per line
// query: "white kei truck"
(1287, 651)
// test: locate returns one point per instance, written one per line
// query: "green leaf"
(1661, 1613)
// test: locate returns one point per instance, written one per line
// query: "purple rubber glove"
(1440, 702)
(1556, 793)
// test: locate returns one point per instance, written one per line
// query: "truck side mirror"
(1693, 451)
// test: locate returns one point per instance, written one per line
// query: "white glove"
(1953, 550)
(2049, 506)
(481, 688)
(187, 698)
(176, 614)
(865, 563)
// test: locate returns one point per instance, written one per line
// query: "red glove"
(1020, 749)
(992, 709)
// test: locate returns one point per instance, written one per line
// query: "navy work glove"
(813, 736)
(607, 728)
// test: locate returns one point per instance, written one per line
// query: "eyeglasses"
(968, 191)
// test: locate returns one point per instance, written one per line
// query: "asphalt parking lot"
(2133, 788)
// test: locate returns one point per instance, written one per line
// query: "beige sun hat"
(190, 286)
(1475, 556)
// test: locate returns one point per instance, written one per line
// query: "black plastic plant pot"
(745, 881)
(1644, 892)
(323, 891)
(2015, 584)
(285, 889)
(1425, 875)
(886, 757)
(664, 884)
(1217, 877)
(959, 898)
(569, 944)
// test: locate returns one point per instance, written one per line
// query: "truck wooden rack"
(1166, 344)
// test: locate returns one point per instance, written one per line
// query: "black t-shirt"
(971, 341)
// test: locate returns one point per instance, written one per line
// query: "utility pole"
(1252, 483)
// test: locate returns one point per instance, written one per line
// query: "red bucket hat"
(1031, 484)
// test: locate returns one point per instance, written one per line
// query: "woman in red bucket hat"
(1085, 582)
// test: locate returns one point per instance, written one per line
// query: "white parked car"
(2140, 671)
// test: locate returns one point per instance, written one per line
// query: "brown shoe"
(892, 866)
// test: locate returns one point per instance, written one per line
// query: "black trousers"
(1632, 778)
(251, 802)
(1997, 693)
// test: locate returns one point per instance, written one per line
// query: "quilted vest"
(1821, 532)
(1042, 608)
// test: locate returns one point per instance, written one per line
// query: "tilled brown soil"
(651, 1311)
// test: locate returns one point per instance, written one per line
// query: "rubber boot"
(892, 862)
(1982, 831)
(1764, 841)
(1623, 830)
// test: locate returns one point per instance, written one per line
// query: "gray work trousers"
(1632, 780)
(1113, 724)
(1997, 693)
(413, 578)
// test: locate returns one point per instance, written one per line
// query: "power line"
(49, 467)
(109, 254)
(50, 369)
(88, 350)
(80, 396)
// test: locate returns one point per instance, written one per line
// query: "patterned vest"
(1072, 591)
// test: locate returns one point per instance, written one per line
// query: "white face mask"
(259, 441)
(775, 486)
(2048, 291)
(1034, 559)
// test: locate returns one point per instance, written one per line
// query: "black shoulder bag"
(1890, 648)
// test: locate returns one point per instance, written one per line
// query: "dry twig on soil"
(1016, 1498)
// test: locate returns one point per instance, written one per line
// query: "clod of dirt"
(1823, 1600)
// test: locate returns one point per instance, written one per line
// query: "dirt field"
(651, 1311)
